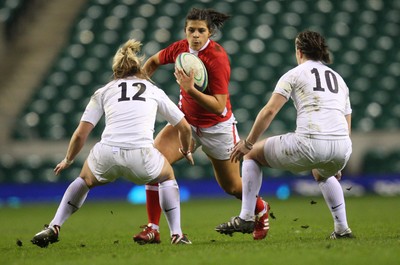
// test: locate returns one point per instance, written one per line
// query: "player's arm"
(266, 116)
(261, 124)
(213, 103)
(151, 65)
(76, 143)
(185, 137)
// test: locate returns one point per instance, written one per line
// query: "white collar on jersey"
(202, 48)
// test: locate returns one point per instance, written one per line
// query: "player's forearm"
(185, 134)
(266, 116)
(261, 124)
(75, 146)
(213, 103)
(78, 139)
(151, 65)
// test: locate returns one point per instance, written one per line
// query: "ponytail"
(126, 61)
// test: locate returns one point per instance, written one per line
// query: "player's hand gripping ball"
(190, 62)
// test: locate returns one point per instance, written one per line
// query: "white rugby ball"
(190, 62)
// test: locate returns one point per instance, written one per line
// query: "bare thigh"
(166, 173)
(257, 153)
(167, 142)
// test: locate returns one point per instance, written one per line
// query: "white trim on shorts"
(217, 141)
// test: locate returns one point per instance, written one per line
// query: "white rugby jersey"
(321, 98)
(130, 106)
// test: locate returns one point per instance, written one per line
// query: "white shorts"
(139, 166)
(301, 153)
(217, 141)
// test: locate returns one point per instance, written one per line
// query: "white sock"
(334, 198)
(72, 200)
(170, 204)
(251, 185)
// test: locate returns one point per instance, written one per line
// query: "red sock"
(153, 204)
(259, 205)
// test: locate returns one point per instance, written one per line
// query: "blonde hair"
(127, 62)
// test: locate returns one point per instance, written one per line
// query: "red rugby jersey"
(218, 67)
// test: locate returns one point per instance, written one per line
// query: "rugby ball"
(190, 62)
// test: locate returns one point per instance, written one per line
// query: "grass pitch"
(101, 233)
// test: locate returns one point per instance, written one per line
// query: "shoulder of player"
(294, 74)
(169, 53)
(153, 88)
(178, 46)
(101, 90)
(213, 56)
(305, 67)
(216, 48)
(297, 70)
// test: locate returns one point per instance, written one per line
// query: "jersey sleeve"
(94, 110)
(169, 54)
(168, 110)
(284, 87)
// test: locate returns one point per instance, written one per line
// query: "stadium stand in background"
(363, 35)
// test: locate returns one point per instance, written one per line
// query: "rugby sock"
(170, 204)
(251, 179)
(334, 198)
(72, 200)
(153, 205)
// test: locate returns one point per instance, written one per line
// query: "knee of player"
(235, 191)
(90, 181)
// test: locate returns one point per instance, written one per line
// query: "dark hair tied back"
(313, 45)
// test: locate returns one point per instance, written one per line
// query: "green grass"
(100, 233)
